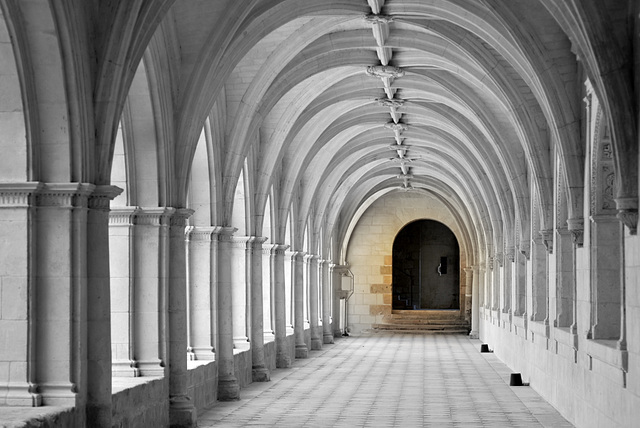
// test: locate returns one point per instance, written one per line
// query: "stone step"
(420, 326)
(425, 322)
(420, 329)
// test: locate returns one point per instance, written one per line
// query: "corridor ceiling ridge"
(269, 93)
(341, 98)
(319, 106)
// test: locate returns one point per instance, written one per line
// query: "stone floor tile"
(387, 380)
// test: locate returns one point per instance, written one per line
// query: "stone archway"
(426, 267)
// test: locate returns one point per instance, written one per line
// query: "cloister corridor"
(390, 380)
(313, 212)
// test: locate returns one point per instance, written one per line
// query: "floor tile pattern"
(389, 380)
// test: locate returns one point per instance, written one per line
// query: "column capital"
(64, 195)
(341, 269)
(311, 257)
(576, 227)
(122, 216)
(510, 253)
(180, 217)
(201, 233)
(628, 212)
(255, 242)
(278, 249)
(18, 195)
(547, 239)
(297, 255)
(225, 233)
(525, 249)
(153, 216)
(499, 258)
(603, 218)
(102, 196)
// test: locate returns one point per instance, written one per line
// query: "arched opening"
(426, 267)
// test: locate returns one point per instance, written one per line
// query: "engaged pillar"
(283, 356)
(228, 387)
(302, 351)
(182, 412)
(475, 304)
(201, 245)
(325, 283)
(312, 275)
(259, 371)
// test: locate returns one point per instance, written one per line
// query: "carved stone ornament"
(628, 213)
(630, 219)
(576, 228)
(547, 239)
(396, 127)
(391, 103)
(385, 71)
(510, 254)
(399, 147)
(499, 259)
(525, 250)
(376, 19)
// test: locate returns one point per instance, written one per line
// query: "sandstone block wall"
(370, 252)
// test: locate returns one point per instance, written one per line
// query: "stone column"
(336, 286)
(59, 256)
(289, 269)
(468, 289)
(487, 283)
(283, 356)
(201, 242)
(302, 351)
(540, 282)
(228, 387)
(268, 313)
(605, 277)
(259, 371)
(240, 280)
(497, 282)
(327, 334)
(481, 287)
(150, 266)
(182, 412)
(508, 282)
(475, 303)
(520, 280)
(18, 286)
(98, 302)
(564, 278)
(312, 275)
(121, 250)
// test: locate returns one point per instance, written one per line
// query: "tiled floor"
(387, 380)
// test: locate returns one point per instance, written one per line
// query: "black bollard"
(516, 379)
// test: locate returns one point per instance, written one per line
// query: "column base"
(260, 374)
(474, 335)
(283, 361)
(302, 351)
(328, 338)
(182, 413)
(228, 390)
(316, 344)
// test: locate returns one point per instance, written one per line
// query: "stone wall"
(370, 251)
(202, 378)
(143, 405)
(593, 383)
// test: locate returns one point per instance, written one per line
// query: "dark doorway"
(426, 268)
